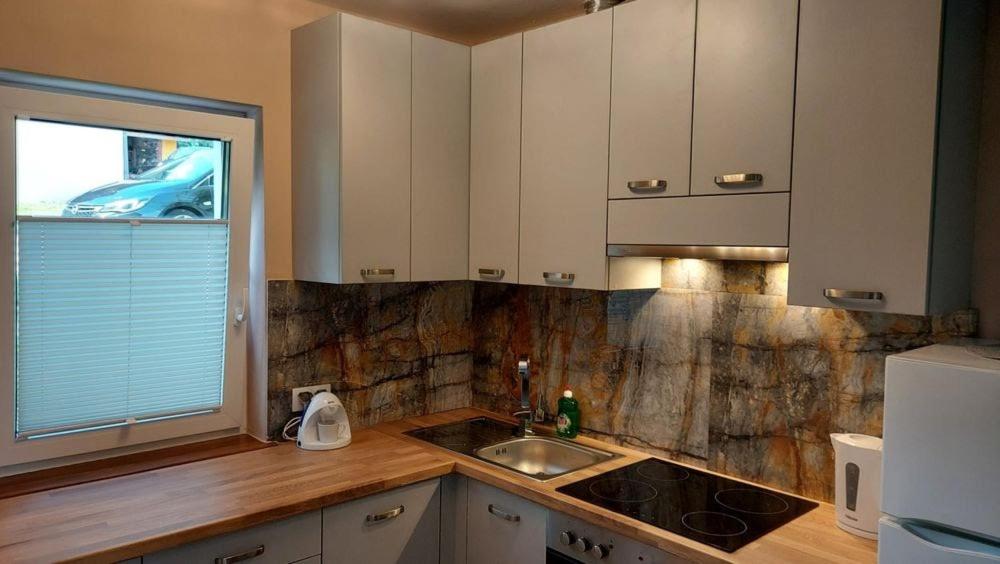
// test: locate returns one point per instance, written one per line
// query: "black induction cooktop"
(710, 509)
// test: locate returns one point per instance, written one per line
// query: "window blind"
(118, 322)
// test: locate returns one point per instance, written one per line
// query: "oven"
(572, 541)
(553, 556)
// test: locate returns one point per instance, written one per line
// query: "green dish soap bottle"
(568, 420)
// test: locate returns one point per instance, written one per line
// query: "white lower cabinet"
(503, 528)
(401, 525)
(280, 542)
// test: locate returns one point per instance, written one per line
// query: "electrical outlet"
(297, 404)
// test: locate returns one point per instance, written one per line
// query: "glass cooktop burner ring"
(714, 524)
(755, 502)
(621, 490)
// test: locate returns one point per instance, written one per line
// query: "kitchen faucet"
(524, 413)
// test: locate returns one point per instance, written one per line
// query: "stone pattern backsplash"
(714, 369)
(389, 350)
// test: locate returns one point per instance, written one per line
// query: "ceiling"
(463, 21)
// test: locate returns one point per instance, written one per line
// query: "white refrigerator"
(941, 457)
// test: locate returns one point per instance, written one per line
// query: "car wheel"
(180, 214)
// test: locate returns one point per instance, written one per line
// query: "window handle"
(240, 313)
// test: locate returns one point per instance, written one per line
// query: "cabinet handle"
(384, 516)
(491, 273)
(835, 294)
(505, 515)
(647, 185)
(559, 277)
(373, 272)
(232, 559)
(741, 179)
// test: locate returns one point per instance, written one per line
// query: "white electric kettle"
(324, 425)
(858, 474)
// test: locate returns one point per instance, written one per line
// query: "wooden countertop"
(811, 538)
(132, 515)
(128, 516)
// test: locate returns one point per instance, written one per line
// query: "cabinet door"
(440, 193)
(280, 542)
(316, 150)
(743, 95)
(399, 526)
(651, 89)
(375, 150)
(747, 220)
(864, 152)
(504, 528)
(495, 167)
(564, 154)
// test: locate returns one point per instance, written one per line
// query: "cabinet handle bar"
(385, 515)
(559, 277)
(505, 515)
(836, 294)
(654, 185)
(739, 179)
(491, 273)
(243, 556)
(372, 272)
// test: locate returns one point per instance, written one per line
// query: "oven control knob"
(582, 545)
(567, 538)
(599, 551)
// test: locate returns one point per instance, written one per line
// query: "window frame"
(239, 132)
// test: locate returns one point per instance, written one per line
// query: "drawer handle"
(505, 515)
(835, 294)
(373, 272)
(741, 179)
(491, 273)
(647, 185)
(253, 553)
(559, 277)
(384, 516)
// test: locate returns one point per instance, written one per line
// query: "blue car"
(181, 187)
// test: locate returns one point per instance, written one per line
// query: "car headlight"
(122, 206)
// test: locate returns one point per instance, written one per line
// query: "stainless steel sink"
(542, 458)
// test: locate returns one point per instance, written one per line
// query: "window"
(128, 267)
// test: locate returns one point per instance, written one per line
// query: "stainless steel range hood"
(708, 252)
(752, 227)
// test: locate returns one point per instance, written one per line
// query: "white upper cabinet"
(743, 96)
(875, 131)
(651, 88)
(495, 153)
(755, 220)
(316, 151)
(351, 151)
(375, 151)
(564, 153)
(374, 106)
(439, 202)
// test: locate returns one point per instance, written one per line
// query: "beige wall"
(233, 50)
